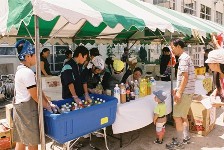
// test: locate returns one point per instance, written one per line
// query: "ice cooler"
(70, 125)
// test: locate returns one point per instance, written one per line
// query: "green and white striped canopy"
(97, 19)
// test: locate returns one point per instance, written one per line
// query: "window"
(188, 7)
(205, 12)
(57, 57)
(7, 51)
(165, 3)
(218, 18)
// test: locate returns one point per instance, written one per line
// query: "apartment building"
(207, 9)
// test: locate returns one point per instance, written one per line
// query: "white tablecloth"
(139, 113)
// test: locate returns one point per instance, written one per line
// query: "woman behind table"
(135, 76)
(25, 111)
(44, 64)
(68, 55)
(93, 52)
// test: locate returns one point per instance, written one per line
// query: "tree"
(142, 54)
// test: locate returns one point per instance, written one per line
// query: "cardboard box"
(13, 144)
(8, 112)
(5, 138)
(51, 82)
(201, 120)
(197, 97)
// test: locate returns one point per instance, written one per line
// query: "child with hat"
(160, 115)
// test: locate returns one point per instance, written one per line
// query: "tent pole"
(29, 33)
(56, 32)
(170, 116)
(39, 84)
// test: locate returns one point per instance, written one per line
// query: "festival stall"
(66, 21)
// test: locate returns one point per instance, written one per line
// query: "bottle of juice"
(141, 87)
(149, 91)
(123, 93)
(128, 93)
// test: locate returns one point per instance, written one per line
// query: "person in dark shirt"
(68, 55)
(44, 64)
(91, 74)
(73, 85)
(114, 73)
(164, 60)
(125, 57)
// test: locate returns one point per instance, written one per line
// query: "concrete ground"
(142, 139)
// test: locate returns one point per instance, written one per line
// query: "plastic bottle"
(153, 84)
(141, 88)
(99, 87)
(128, 93)
(132, 86)
(149, 91)
(136, 83)
(136, 90)
(117, 93)
(123, 93)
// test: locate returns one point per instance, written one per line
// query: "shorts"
(26, 123)
(181, 109)
(160, 128)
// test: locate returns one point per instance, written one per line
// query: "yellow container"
(201, 71)
(196, 71)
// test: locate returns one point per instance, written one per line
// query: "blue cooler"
(71, 125)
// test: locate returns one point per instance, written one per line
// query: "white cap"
(216, 56)
(98, 62)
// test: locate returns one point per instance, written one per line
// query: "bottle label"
(123, 91)
(132, 94)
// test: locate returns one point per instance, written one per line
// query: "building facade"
(207, 9)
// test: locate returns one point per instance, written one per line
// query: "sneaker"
(186, 140)
(175, 145)
(157, 141)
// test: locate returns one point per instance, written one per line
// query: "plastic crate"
(70, 125)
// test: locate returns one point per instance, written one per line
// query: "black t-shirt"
(46, 65)
(163, 63)
(91, 78)
(71, 73)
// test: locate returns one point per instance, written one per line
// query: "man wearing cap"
(91, 74)
(71, 76)
(182, 94)
(113, 74)
(25, 110)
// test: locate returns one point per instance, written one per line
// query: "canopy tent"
(98, 19)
